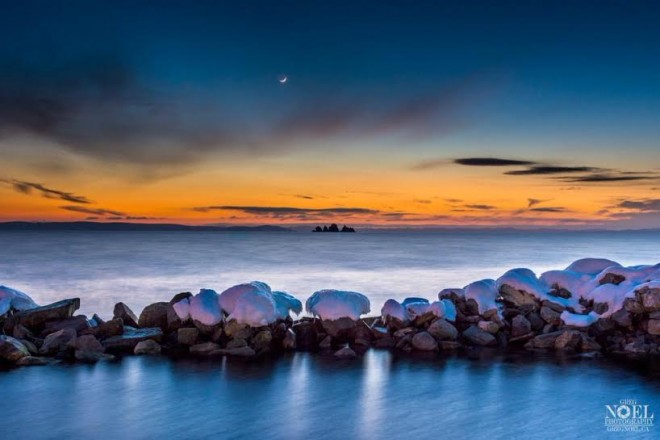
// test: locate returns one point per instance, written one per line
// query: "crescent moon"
(283, 79)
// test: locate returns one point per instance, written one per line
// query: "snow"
(14, 299)
(414, 300)
(286, 303)
(484, 292)
(416, 309)
(229, 297)
(523, 279)
(447, 292)
(564, 279)
(591, 266)
(393, 309)
(611, 294)
(450, 310)
(255, 307)
(182, 309)
(578, 320)
(205, 307)
(334, 304)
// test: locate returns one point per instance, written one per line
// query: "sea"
(302, 395)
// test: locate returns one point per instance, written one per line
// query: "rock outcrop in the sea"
(333, 228)
(593, 306)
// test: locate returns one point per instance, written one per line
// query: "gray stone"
(326, 343)
(114, 327)
(36, 318)
(87, 343)
(155, 315)
(306, 335)
(58, 341)
(568, 340)
(262, 340)
(77, 323)
(518, 298)
(650, 299)
(633, 306)
(187, 336)
(442, 330)
(22, 332)
(488, 326)
(404, 332)
(550, 316)
(11, 349)
(520, 326)
(587, 344)
(449, 345)
(636, 347)
(423, 341)
(180, 296)
(622, 317)
(32, 348)
(536, 321)
(546, 340)
(236, 343)
(289, 340)
(127, 316)
(131, 337)
(239, 352)
(205, 348)
(148, 347)
(31, 361)
(654, 326)
(235, 330)
(342, 328)
(345, 353)
(476, 336)
(91, 357)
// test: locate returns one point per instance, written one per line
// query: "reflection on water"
(381, 395)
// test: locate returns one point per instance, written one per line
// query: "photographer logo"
(628, 416)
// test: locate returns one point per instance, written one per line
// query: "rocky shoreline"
(250, 321)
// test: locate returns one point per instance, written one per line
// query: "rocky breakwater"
(594, 306)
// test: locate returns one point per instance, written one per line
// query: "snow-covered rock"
(484, 293)
(182, 309)
(205, 308)
(577, 320)
(12, 299)
(285, 304)
(450, 310)
(254, 307)
(335, 304)
(393, 310)
(229, 297)
(591, 266)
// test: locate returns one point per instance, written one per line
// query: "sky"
(367, 113)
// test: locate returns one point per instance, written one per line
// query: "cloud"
(534, 202)
(423, 201)
(643, 205)
(611, 177)
(93, 211)
(550, 209)
(286, 211)
(50, 193)
(490, 162)
(480, 207)
(548, 169)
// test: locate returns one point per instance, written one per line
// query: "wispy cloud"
(93, 211)
(534, 202)
(490, 162)
(24, 187)
(547, 169)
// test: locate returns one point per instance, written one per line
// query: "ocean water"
(139, 268)
(301, 395)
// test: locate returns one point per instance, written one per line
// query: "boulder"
(306, 335)
(127, 316)
(239, 352)
(180, 296)
(155, 315)
(77, 323)
(36, 318)
(650, 298)
(235, 330)
(204, 349)
(520, 326)
(236, 343)
(488, 326)
(32, 348)
(653, 327)
(633, 305)
(90, 357)
(58, 341)
(147, 347)
(568, 340)
(476, 336)
(342, 328)
(345, 353)
(262, 340)
(30, 361)
(187, 336)
(11, 349)
(587, 344)
(401, 333)
(550, 315)
(423, 341)
(127, 341)
(622, 317)
(326, 343)
(536, 321)
(87, 343)
(546, 340)
(442, 330)
(22, 332)
(449, 345)
(289, 340)
(114, 327)
(518, 298)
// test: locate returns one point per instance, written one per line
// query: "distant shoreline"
(123, 227)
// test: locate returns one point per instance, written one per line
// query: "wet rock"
(32, 348)
(612, 278)
(187, 336)
(587, 344)
(236, 343)
(520, 326)
(22, 332)
(11, 349)
(148, 347)
(235, 330)
(341, 329)
(600, 308)
(77, 323)
(87, 343)
(306, 335)
(204, 349)
(96, 321)
(289, 340)
(550, 315)
(379, 332)
(518, 298)
(633, 306)
(58, 341)
(442, 330)
(653, 327)
(568, 340)
(36, 318)
(476, 336)
(536, 321)
(385, 342)
(423, 341)
(363, 331)
(488, 326)
(546, 340)
(174, 323)
(91, 357)
(522, 338)
(636, 347)
(650, 299)
(401, 333)
(449, 345)
(404, 342)
(155, 315)
(127, 316)
(345, 353)
(326, 343)
(262, 340)
(239, 352)
(114, 327)
(130, 338)
(622, 317)
(31, 361)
